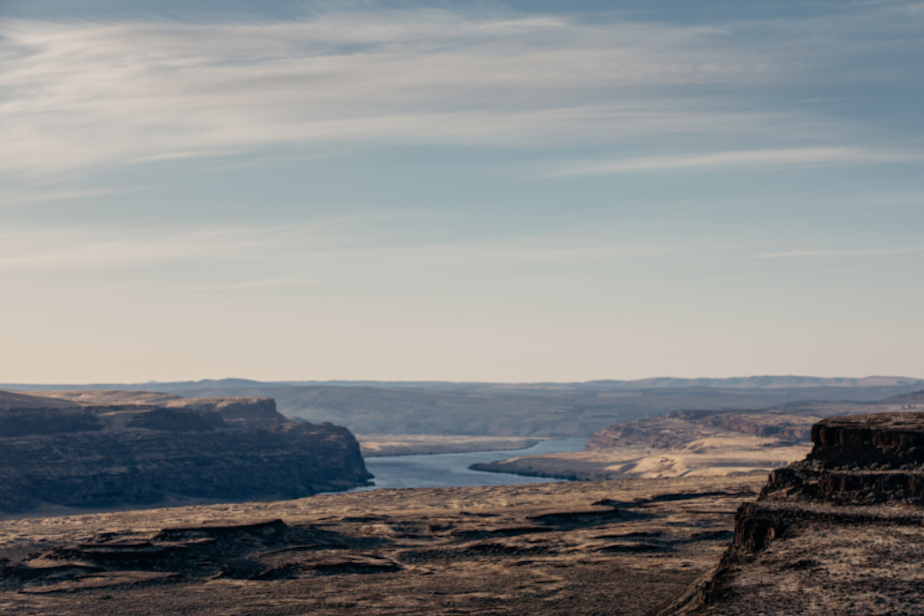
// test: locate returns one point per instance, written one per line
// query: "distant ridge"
(746, 382)
(9, 400)
(914, 397)
(765, 382)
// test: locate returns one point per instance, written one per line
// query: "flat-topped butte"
(77, 451)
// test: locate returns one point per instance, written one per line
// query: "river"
(447, 470)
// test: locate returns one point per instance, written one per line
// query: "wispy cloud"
(846, 254)
(82, 94)
(745, 158)
(333, 251)
(22, 197)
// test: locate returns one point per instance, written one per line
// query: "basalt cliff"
(839, 532)
(102, 450)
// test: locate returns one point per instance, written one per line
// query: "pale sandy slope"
(714, 456)
(379, 445)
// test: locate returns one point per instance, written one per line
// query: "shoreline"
(731, 456)
(394, 445)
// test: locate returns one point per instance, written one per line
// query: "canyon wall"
(104, 456)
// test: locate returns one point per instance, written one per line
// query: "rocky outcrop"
(249, 410)
(134, 455)
(831, 533)
(858, 459)
(43, 421)
(170, 420)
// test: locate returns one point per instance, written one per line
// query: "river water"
(447, 470)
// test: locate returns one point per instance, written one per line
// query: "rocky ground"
(620, 547)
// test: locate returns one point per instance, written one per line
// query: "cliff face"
(858, 459)
(215, 449)
(836, 533)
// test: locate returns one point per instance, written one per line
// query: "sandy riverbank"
(715, 456)
(381, 445)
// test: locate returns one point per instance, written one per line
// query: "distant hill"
(510, 409)
(11, 400)
(746, 382)
(912, 398)
(523, 411)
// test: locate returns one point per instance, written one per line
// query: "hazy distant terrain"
(698, 442)
(538, 409)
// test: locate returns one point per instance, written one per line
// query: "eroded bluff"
(839, 532)
(858, 460)
(178, 450)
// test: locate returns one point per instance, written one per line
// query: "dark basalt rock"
(259, 550)
(170, 420)
(890, 430)
(31, 421)
(216, 449)
(249, 410)
(857, 463)
(858, 459)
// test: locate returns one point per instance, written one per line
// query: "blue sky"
(516, 191)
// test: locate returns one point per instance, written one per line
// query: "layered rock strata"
(219, 449)
(858, 460)
(839, 532)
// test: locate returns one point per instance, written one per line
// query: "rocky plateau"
(102, 450)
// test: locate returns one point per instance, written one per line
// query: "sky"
(469, 191)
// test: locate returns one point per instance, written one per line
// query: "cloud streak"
(333, 251)
(746, 158)
(76, 95)
(841, 254)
